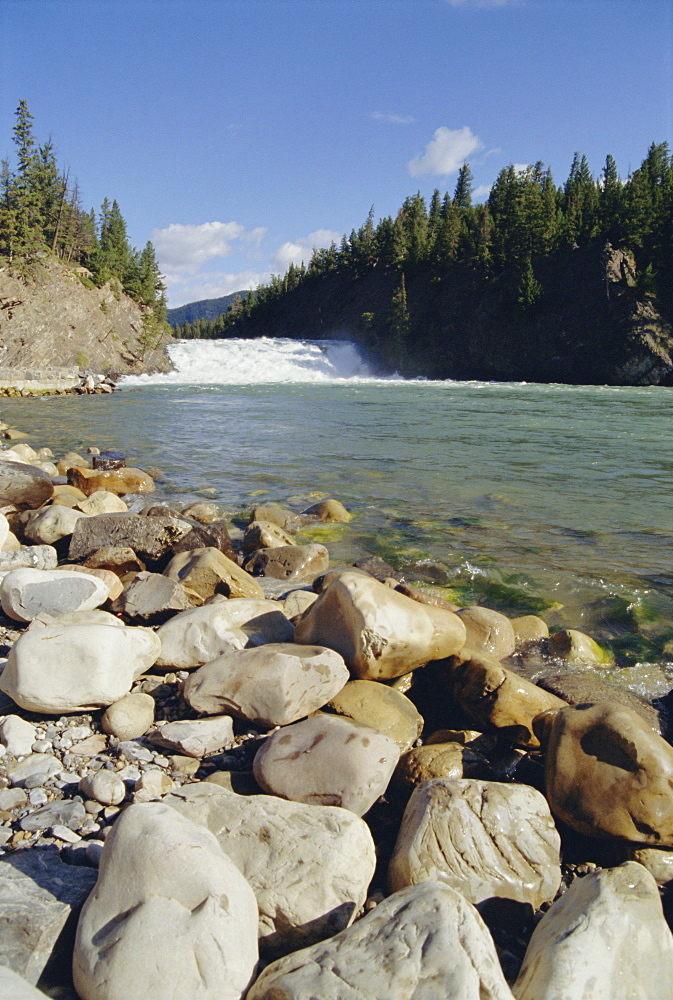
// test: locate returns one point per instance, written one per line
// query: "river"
(525, 497)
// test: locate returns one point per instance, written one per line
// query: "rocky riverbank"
(230, 767)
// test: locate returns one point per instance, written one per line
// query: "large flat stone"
(149, 537)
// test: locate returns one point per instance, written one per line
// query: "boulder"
(438, 760)
(151, 598)
(119, 481)
(28, 557)
(381, 707)
(194, 737)
(586, 688)
(285, 519)
(529, 628)
(577, 649)
(309, 866)
(487, 632)
(40, 899)
(423, 943)
(130, 717)
(605, 937)
(198, 636)
(149, 537)
(328, 510)
(169, 907)
(483, 838)
(380, 633)
(607, 774)
(17, 734)
(214, 535)
(24, 485)
(102, 502)
(50, 524)
(289, 562)
(264, 535)
(327, 760)
(71, 668)
(14, 987)
(208, 571)
(271, 685)
(498, 698)
(26, 593)
(110, 579)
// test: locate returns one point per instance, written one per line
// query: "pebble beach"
(232, 766)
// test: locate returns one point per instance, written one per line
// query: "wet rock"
(439, 760)
(483, 838)
(130, 716)
(425, 596)
(327, 760)
(328, 510)
(495, 697)
(529, 628)
(264, 535)
(271, 685)
(24, 485)
(584, 689)
(289, 562)
(381, 707)
(70, 668)
(208, 571)
(576, 648)
(119, 481)
(168, 907)
(605, 937)
(309, 866)
(26, 593)
(285, 519)
(422, 943)
(380, 633)
(487, 632)
(40, 898)
(201, 536)
(198, 636)
(149, 537)
(607, 774)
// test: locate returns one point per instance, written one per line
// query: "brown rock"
(208, 571)
(498, 698)
(329, 511)
(488, 632)
(119, 481)
(214, 534)
(585, 689)
(151, 598)
(149, 537)
(438, 760)
(264, 535)
(25, 486)
(529, 628)
(289, 562)
(283, 518)
(117, 559)
(425, 597)
(608, 775)
(381, 707)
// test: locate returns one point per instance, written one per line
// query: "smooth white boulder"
(309, 866)
(27, 593)
(4, 529)
(170, 915)
(327, 760)
(17, 734)
(380, 633)
(71, 668)
(271, 685)
(15, 987)
(605, 937)
(50, 524)
(423, 943)
(483, 838)
(199, 635)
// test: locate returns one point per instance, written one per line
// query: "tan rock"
(380, 633)
(577, 648)
(607, 774)
(265, 535)
(439, 760)
(118, 559)
(529, 628)
(69, 460)
(119, 481)
(329, 510)
(283, 518)
(102, 502)
(130, 716)
(380, 707)
(487, 632)
(498, 698)
(208, 571)
(482, 838)
(657, 860)
(66, 490)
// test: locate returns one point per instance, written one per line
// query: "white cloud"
(482, 191)
(446, 152)
(183, 249)
(383, 116)
(212, 285)
(296, 251)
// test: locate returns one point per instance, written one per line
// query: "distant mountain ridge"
(203, 309)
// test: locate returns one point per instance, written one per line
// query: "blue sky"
(238, 134)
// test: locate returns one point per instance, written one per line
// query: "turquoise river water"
(529, 498)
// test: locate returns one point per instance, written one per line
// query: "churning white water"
(264, 360)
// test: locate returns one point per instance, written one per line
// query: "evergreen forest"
(508, 246)
(41, 215)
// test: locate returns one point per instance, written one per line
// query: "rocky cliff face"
(57, 317)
